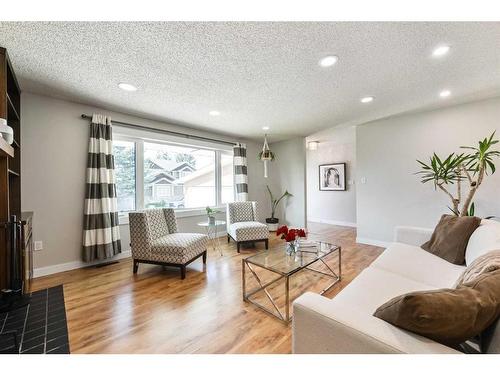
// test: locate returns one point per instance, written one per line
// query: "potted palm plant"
(469, 167)
(272, 222)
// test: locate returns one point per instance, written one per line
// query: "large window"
(124, 155)
(227, 181)
(153, 174)
(178, 177)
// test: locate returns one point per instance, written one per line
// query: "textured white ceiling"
(256, 74)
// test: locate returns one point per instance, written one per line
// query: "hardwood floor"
(111, 310)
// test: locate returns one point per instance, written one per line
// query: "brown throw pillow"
(448, 316)
(488, 262)
(451, 236)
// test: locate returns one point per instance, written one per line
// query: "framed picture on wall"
(332, 177)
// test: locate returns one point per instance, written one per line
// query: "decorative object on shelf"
(332, 177)
(266, 155)
(6, 131)
(11, 255)
(472, 167)
(211, 214)
(292, 238)
(272, 222)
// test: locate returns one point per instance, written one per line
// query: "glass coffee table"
(277, 261)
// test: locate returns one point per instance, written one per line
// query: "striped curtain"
(101, 234)
(240, 172)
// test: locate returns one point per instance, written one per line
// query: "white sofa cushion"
(374, 287)
(346, 323)
(321, 325)
(483, 240)
(416, 264)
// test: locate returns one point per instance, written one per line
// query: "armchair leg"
(183, 272)
(136, 266)
(267, 243)
(205, 257)
(238, 246)
(228, 238)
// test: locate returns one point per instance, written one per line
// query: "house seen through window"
(171, 176)
(178, 177)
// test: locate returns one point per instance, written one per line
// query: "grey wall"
(336, 145)
(386, 153)
(54, 143)
(287, 172)
(256, 182)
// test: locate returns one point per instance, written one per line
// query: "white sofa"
(345, 324)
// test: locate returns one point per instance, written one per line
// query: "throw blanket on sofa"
(488, 262)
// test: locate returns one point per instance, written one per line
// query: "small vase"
(290, 248)
(296, 244)
(211, 220)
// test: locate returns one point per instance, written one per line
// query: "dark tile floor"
(39, 327)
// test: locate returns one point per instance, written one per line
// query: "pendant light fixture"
(266, 155)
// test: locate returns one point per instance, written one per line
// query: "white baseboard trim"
(332, 222)
(369, 241)
(62, 267)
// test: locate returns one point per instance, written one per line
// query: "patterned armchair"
(243, 225)
(154, 239)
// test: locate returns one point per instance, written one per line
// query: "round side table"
(213, 232)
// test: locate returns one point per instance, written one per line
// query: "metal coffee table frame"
(286, 317)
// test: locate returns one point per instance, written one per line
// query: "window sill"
(179, 213)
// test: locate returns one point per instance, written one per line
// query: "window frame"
(125, 139)
(139, 173)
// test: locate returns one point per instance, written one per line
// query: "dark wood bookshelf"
(10, 160)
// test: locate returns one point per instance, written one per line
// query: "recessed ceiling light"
(214, 113)
(445, 93)
(127, 87)
(328, 61)
(367, 99)
(265, 128)
(440, 51)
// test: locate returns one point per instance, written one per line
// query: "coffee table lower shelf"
(285, 316)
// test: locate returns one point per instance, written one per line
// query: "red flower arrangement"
(289, 235)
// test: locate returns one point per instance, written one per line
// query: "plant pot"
(211, 220)
(272, 223)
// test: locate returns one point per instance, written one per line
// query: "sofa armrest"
(412, 235)
(322, 326)
(317, 330)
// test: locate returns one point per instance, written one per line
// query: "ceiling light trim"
(441, 50)
(367, 99)
(127, 87)
(328, 61)
(445, 93)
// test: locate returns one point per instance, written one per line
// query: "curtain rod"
(156, 130)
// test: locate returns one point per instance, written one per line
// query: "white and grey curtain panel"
(101, 233)
(240, 172)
